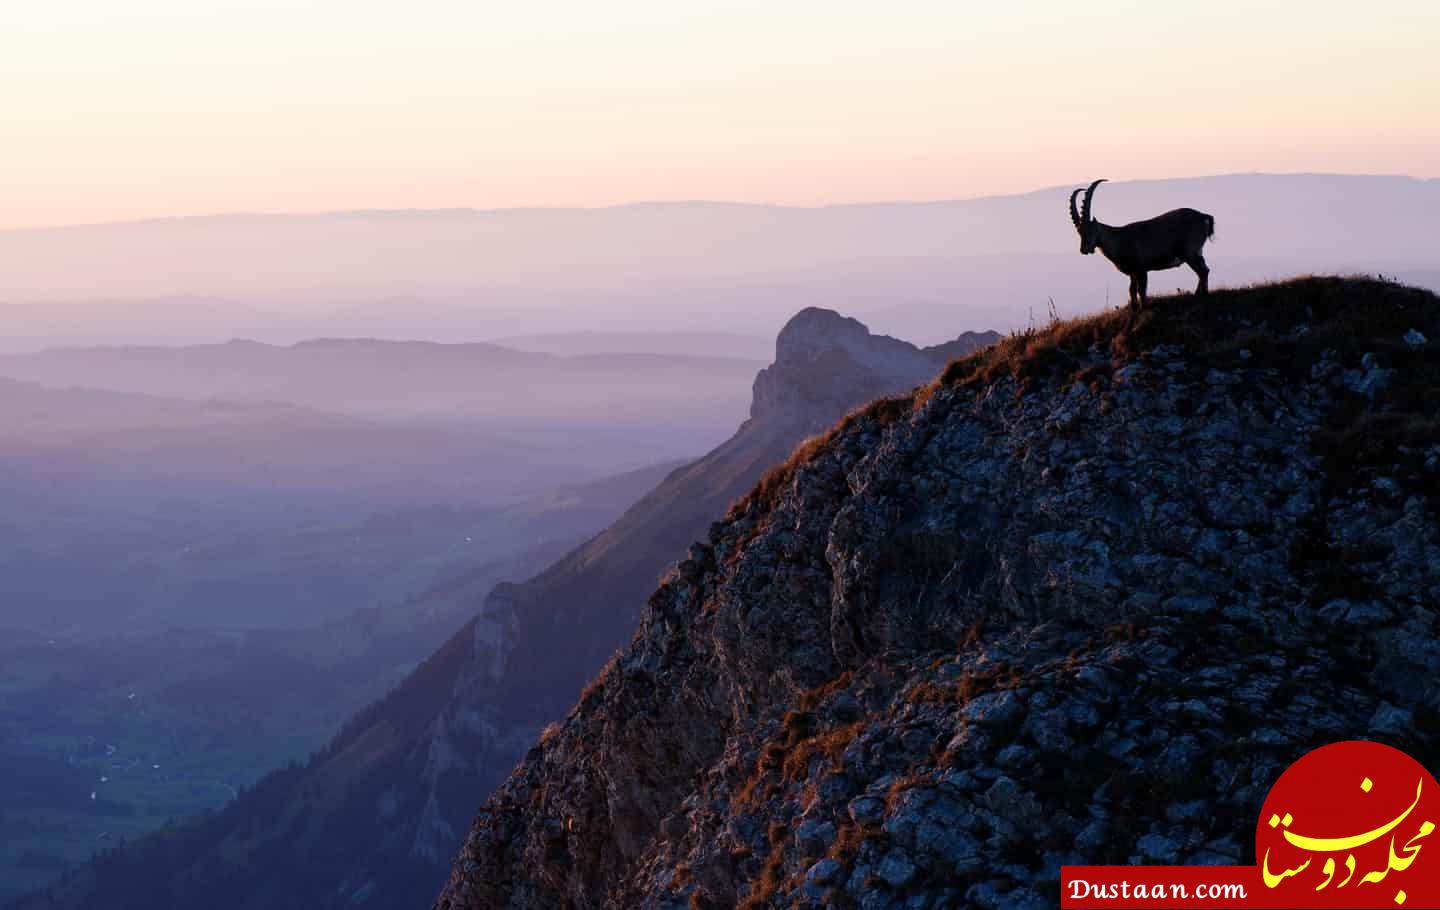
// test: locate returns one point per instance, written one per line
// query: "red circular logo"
(1352, 824)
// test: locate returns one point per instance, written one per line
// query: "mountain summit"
(1081, 599)
(826, 363)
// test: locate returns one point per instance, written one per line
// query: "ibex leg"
(1197, 263)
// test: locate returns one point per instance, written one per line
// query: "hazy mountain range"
(421, 380)
(239, 483)
(472, 275)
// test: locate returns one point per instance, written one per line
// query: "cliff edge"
(1079, 600)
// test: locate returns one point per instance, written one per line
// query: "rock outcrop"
(1079, 600)
(826, 364)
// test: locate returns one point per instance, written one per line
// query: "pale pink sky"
(177, 107)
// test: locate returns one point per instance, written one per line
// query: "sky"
(151, 108)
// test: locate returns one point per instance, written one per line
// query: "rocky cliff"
(535, 644)
(546, 637)
(375, 818)
(1080, 599)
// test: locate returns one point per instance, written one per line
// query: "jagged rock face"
(826, 364)
(1081, 607)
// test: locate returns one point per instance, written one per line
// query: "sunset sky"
(173, 107)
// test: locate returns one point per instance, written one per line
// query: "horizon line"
(470, 211)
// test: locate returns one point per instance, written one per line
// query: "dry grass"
(927, 692)
(791, 758)
(883, 411)
(972, 636)
(831, 745)
(770, 878)
(850, 838)
(798, 739)
(745, 795)
(999, 675)
(798, 725)
(900, 785)
(809, 701)
(596, 685)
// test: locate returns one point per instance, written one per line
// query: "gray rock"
(824, 872)
(896, 869)
(1015, 757)
(1159, 848)
(1392, 720)
(994, 709)
(1346, 613)
(1092, 838)
(814, 837)
(866, 810)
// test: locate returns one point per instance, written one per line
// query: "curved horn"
(1089, 194)
(1075, 215)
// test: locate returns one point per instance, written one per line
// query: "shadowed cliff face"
(826, 364)
(376, 818)
(1080, 600)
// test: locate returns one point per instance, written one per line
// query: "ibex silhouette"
(1158, 243)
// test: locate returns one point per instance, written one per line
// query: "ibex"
(1158, 243)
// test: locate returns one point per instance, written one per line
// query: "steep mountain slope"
(1081, 599)
(374, 819)
(570, 618)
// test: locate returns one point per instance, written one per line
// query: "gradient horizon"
(180, 108)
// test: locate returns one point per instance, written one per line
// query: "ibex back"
(1163, 242)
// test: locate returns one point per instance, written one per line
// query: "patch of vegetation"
(771, 873)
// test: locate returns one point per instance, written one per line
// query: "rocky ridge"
(1079, 600)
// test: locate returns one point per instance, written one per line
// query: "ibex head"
(1084, 223)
